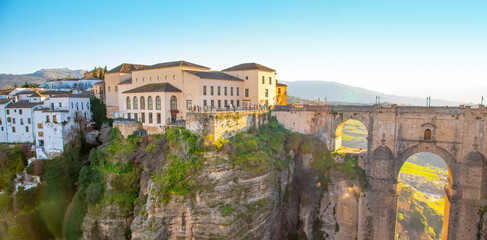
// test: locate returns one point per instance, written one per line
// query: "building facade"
(281, 94)
(161, 94)
(48, 121)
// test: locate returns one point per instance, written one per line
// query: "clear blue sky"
(395, 46)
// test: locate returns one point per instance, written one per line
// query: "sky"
(405, 47)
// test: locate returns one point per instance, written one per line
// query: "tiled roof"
(126, 68)
(36, 94)
(26, 92)
(249, 66)
(172, 64)
(281, 85)
(23, 104)
(50, 92)
(3, 101)
(128, 81)
(68, 95)
(215, 75)
(154, 87)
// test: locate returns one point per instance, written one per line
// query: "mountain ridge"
(338, 92)
(40, 76)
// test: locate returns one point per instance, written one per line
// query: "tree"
(94, 72)
(98, 111)
(16, 86)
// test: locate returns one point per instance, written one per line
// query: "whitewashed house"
(3, 119)
(57, 119)
(20, 121)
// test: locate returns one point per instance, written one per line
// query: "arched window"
(142, 103)
(158, 103)
(128, 103)
(149, 103)
(136, 104)
(174, 103)
(427, 135)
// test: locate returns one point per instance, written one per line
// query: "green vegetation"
(184, 160)
(429, 173)
(99, 112)
(421, 209)
(354, 138)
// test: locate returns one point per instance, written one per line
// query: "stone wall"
(127, 127)
(224, 124)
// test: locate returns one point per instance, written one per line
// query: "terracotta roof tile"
(249, 66)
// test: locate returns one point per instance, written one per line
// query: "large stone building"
(160, 94)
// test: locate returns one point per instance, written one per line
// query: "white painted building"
(49, 121)
(78, 83)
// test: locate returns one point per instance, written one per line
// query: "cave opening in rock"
(422, 204)
(351, 137)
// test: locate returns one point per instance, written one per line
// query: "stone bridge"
(395, 133)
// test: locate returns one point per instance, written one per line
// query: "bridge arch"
(356, 141)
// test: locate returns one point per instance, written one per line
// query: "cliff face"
(287, 186)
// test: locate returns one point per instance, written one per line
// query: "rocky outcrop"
(298, 197)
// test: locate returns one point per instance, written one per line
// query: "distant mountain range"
(40, 76)
(337, 92)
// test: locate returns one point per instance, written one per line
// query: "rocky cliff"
(261, 184)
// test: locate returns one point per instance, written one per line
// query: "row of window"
(13, 129)
(142, 115)
(15, 110)
(158, 78)
(219, 103)
(225, 92)
(12, 120)
(263, 80)
(135, 103)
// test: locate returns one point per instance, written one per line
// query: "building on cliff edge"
(159, 95)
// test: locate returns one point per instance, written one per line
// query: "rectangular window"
(136, 117)
(150, 117)
(40, 126)
(27, 128)
(267, 92)
(143, 117)
(238, 103)
(226, 103)
(2, 128)
(270, 80)
(219, 103)
(47, 119)
(21, 121)
(28, 121)
(0, 121)
(72, 105)
(212, 103)
(204, 103)
(158, 117)
(246, 92)
(231, 91)
(128, 116)
(20, 111)
(231, 103)
(279, 90)
(41, 143)
(211, 90)
(225, 91)
(219, 91)
(238, 91)
(8, 111)
(41, 134)
(13, 129)
(54, 119)
(263, 79)
(204, 90)
(13, 120)
(9, 119)
(189, 103)
(60, 105)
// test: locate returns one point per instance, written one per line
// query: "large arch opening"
(351, 137)
(422, 205)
